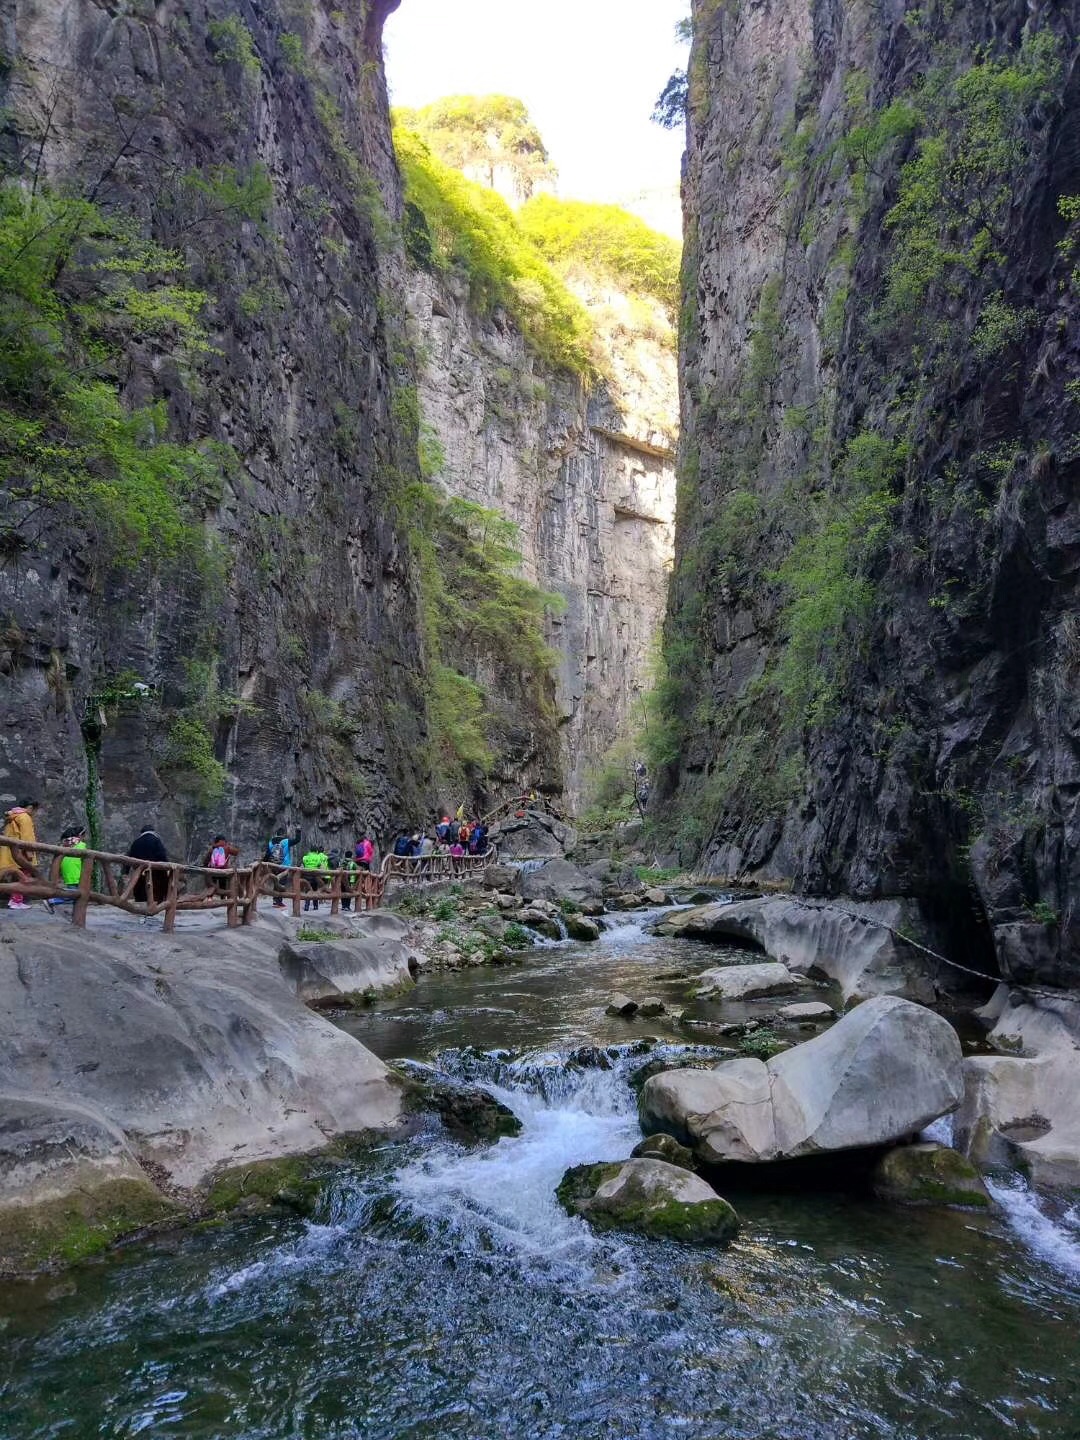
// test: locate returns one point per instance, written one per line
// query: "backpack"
(278, 852)
(218, 858)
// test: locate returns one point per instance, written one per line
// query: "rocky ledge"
(856, 945)
(139, 1069)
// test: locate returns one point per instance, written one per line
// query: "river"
(443, 1293)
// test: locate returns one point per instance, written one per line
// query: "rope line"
(1059, 995)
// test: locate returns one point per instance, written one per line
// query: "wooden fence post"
(172, 895)
(296, 894)
(232, 915)
(82, 904)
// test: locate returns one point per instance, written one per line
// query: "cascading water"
(442, 1292)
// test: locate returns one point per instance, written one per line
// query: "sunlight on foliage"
(79, 289)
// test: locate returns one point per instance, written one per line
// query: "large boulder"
(532, 836)
(882, 1073)
(745, 982)
(650, 1197)
(929, 1174)
(194, 1047)
(367, 957)
(1020, 1108)
(852, 943)
(559, 880)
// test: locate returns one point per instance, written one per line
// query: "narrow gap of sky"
(588, 70)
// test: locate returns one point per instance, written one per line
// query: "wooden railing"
(435, 868)
(168, 888)
(139, 887)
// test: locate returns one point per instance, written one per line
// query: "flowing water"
(443, 1293)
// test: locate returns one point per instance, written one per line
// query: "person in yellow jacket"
(15, 863)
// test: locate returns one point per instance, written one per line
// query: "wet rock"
(593, 908)
(806, 1010)
(655, 896)
(559, 880)
(649, 1197)
(929, 1174)
(883, 1072)
(649, 1009)
(69, 1185)
(620, 1004)
(473, 1112)
(664, 1147)
(542, 923)
(501, 877)
(850, 942)
(579, 928)
(745, 982)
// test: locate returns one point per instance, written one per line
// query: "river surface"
(443, 1293)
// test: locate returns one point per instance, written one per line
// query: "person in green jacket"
(73, 838)
(315, 862)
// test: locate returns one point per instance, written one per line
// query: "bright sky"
(588, 70)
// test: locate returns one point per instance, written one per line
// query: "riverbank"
(139, 1069)
(440, 1291)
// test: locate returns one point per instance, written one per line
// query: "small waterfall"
(1057, 1241)
(506, 1192)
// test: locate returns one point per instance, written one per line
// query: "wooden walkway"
(169, 889)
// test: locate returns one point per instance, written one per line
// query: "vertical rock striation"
(872, 646)
(286, 678)
(585, 471)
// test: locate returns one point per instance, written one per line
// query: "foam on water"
(569, 1117)
(1056, 1242)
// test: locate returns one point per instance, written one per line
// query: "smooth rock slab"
(650, 1197)
(806, 1010)
(745, 982)
(882, 1073)
(929, 1174)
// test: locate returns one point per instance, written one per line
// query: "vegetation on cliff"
(81, 288)
(799, 492)
(481, 135)
(454, 223)
(605, 240)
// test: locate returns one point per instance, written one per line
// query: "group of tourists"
(457, 837)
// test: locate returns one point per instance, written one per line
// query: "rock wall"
(587, 474)
(316, 598)
(872, 639)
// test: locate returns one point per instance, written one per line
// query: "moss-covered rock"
(473, 1112)
(648, 1197)
(929, 1174)
(667, 1148)
(292, 1182)
(73, 1227)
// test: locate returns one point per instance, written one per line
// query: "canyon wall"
(586, 472)
(273, 672)
(872, 647)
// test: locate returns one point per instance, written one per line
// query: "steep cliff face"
(280, 646)
(586, 472)
(872, 643)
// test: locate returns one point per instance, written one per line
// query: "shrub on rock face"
(929, 1174)
(649, 1197)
